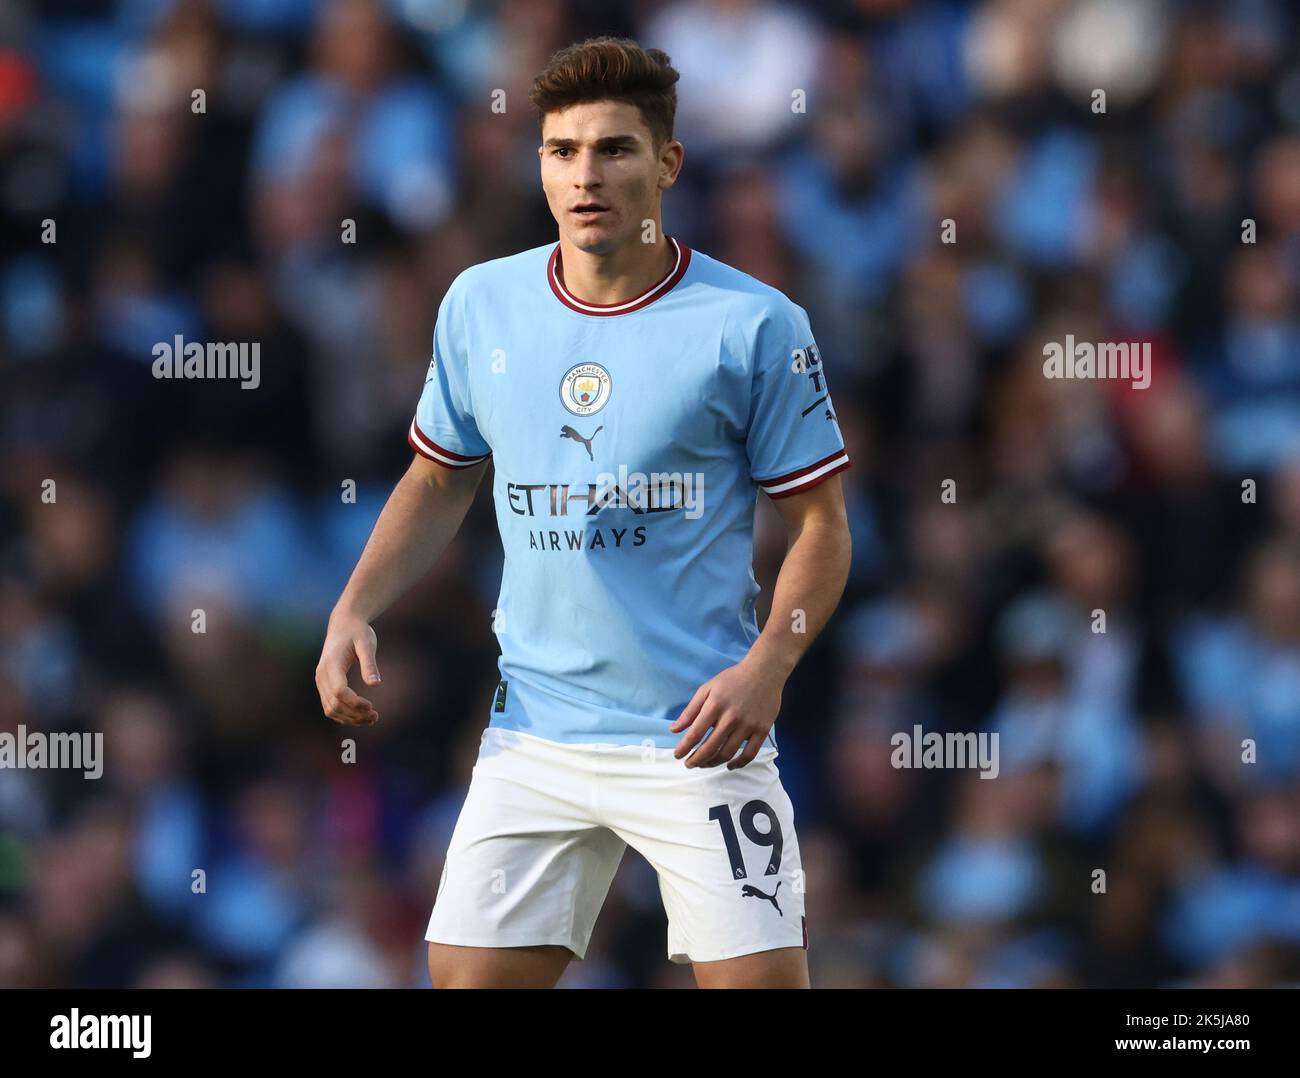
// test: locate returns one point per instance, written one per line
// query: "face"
(602, 175)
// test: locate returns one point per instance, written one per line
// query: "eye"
(559, 150)
(613, 149)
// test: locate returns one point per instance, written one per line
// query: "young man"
(635, 396)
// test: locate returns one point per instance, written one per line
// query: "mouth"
(589, 211)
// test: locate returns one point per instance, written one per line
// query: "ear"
(670, 163)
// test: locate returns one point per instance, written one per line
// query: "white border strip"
(794, 484)
(589, 309)
(431, 450)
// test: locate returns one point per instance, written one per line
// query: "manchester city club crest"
(585, 388)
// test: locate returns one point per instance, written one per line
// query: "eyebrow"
(608, 140)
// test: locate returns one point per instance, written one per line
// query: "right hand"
(346, 641)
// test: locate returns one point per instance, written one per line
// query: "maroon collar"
(554, 271)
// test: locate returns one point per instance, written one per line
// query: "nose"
(587, 174)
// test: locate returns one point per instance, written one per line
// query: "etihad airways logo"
(637, 492)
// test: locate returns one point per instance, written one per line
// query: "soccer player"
(635, 396)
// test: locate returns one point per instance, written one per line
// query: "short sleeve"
(444, 428)
(794, 440)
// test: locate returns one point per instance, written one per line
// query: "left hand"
(740, 704)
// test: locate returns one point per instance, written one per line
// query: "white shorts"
(545, 825)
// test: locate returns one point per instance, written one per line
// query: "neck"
(617, 275)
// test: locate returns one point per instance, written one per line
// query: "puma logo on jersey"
(568, 432)
(750, 891)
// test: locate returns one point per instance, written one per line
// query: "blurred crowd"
(186, 167)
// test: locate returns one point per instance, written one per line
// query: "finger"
(713, 739)
(692, 709)
(352, 700)
(721, 745)
(352, 718)
(346, 706)
(705, 719)
(332, 678)
(751, 750)
(337, 699)
(365, 649)
(727, 750)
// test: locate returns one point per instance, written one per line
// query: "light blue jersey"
(630, 442)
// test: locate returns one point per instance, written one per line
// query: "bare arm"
(422, 515)
(741, 703)
(812, 576)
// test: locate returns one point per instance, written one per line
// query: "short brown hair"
(610, 69)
